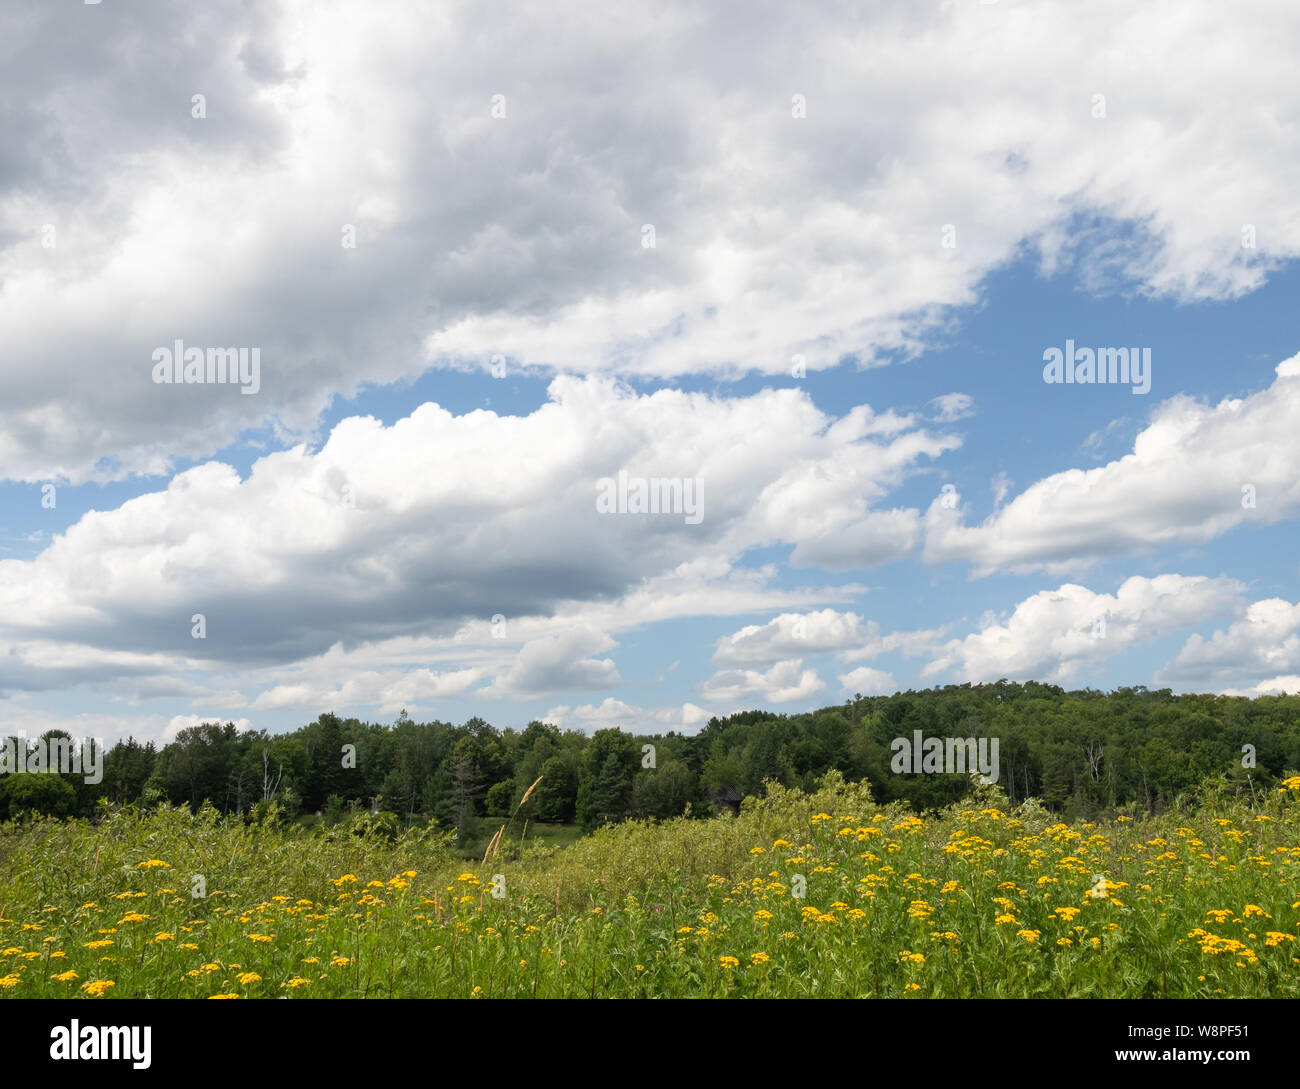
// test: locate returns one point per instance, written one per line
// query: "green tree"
(38, 792)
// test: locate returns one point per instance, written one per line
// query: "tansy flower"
(296, 982)
(153, 864)
(245, 978)
(97, 987)
(65, 977)
(759, 958)
(729, 962)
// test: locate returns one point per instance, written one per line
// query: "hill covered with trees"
(1080, 752)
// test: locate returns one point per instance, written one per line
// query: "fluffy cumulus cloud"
(613, 713)
(367, 197)
(783, 683)
(1056, 634)
(867, 682)
(337, 546)
(790, 634)
(1196, 471)
(822, 631)
(1258, 653)
(768, 182)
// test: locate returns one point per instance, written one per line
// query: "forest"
(1081, 753)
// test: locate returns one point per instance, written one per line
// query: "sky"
(808, 276)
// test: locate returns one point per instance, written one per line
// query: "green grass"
(979, 899)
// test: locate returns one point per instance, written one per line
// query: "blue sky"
(349, 532)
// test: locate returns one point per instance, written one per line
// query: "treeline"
(1080, 752)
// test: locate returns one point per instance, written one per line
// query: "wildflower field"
(822, 895)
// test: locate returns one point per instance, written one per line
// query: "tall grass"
(827, 894)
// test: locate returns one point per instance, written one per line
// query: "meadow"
(828, 894)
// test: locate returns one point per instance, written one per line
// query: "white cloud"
(784, 682)
(336, 546)
(522, 235)
(953, 406)
(790, 634)
(558, 662)
(1196, 472)
(1264, 645)
(867, 681)
(615, 714)
(1055, 634)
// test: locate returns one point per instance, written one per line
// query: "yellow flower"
(762, 915)
(245, 978)
(729, 962)
(260, 937)
(759, 958)
(223, 996)
(97, 987)
(163, 936)
(340, 962)
(10, 981)
(100, 944)
(153, 864)
(65, 977)
(296, 982)
(1030, 936)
